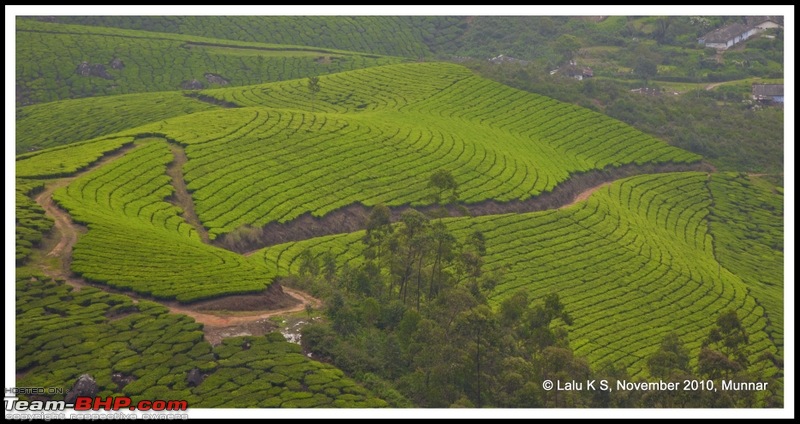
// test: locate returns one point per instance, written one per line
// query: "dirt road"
(710, 87)
(182, 197)
(62, 223)
(227, 319)
(216, 324)
(582, 196)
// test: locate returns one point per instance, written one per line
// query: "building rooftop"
(756, 20)
(768, 90)
(722, 35)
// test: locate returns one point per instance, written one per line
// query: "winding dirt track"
(582, 196)
(182, 197)
(67, 233)
(67, 230)
(218, 324)
(710, 87)
(232, 320)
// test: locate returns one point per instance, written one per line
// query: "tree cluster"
(415, 316)
(412, 320)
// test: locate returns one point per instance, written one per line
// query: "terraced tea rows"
(391, 35)
(643, 257)
(67, 160)
(51, 124)
(253, 166)
(632, 264)
(747, 222)
(387, 88)
(142, 351)
(138, 241)
(30, 220)
(49, 58)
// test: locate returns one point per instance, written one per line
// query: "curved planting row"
(391, 35)
(141, 350)
(30, 220)
(138, 241)
(390, 87)
(50, 57)
(277, 161)
(747, 222)
(632, 264)
(58, 162)
(438, 92)
(51, 124)
(276, 165)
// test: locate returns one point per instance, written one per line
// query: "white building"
(730, 35)
(727, 36)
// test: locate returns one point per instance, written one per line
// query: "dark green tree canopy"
(445, 187)
(313, 88)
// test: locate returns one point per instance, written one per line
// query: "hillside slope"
(633, 263)
(141, 350)
(52, 124)
(274, 162)
(375, 135)
(408, 36)
(57, 61)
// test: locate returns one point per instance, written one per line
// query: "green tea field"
(344, 212)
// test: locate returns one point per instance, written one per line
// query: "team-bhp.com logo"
(86, 403)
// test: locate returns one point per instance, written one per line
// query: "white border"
(786, 11)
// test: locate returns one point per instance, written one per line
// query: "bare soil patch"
(353, 217)
(181, 196)
(228, 316)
